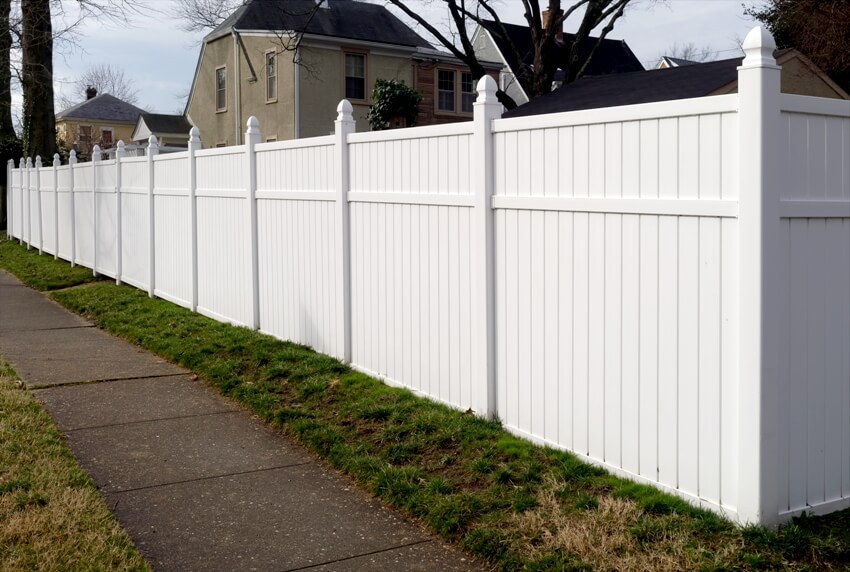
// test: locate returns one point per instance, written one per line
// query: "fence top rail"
(219, 151)
(814, 105)
(106, 163)
(171, 156)
(655, 110)
(142, 159)
(427, 131)
(323, 141)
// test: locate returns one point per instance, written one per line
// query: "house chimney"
(90, 92)
(559, 30)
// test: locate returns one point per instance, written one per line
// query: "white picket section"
(63, 176)
(610, 311)
(84, 220)
(298, 273)
(48, 209)
(814, 366)
(663, 289)
(223, 239)
(172, 240)
(135, 224)
(107, 215)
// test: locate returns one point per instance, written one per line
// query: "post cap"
(194, 135)
(56, 159)
(253, 125)
(758, 47)
(344, 111)
(486, 89)
(38, 160)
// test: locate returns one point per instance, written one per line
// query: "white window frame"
(365, 56)
(271, 80)
(224, 89)
(457, 92)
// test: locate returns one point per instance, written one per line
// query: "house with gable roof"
(290, 63)
(511, 45)
(681, 81)
(99, 120)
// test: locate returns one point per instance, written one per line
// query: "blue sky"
(160, 59)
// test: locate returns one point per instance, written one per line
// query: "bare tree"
(690, 51)
(200, 15)
(39, 136)
(105, 79)
(536, 76)
(820, 29)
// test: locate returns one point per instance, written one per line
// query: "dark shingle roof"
(160, 123)
(103, 107)
(684, 82)
(613, 56)
(336, 18)
(679, 61)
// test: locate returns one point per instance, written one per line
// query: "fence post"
(252, 137)
(56, 162)
(29, 204)
(153, 149)
(760, 146)
(120, 152)
(194, 145)
(343, 126)
(95, 159)
(72, 164)
(485, 109)
(9, 199)
(39, 210)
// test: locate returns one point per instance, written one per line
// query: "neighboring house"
(496, 42)
(447, 86)
(799, 76)
(99, 120)
(671, 62)
(170, 130)
(246, 67)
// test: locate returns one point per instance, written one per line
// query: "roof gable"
(346, 19)
(160, 124)
(104, 107)
(613, 56)
(663, 84)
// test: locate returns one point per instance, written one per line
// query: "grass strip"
(35, 272)
(51, 515)
(501, 498)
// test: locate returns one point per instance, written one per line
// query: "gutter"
(237, 90)
(297, 86)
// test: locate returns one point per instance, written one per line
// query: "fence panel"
(411, 260)
(48, 208)
(300, 279)
(107, 215)
(814, 364)
(613, 314)
(135, 223)
(173, 278)
(224, 280)
(15, 215)
(63, 200)
(84, 220)
(34, 208)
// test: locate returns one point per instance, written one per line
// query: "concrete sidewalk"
(195, 480)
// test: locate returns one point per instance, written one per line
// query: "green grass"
(51, 515)
(33, 271)
(500, 498)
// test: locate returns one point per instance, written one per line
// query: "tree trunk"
(37, 51)
(7, 128)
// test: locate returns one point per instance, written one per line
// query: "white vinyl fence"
(663, 289)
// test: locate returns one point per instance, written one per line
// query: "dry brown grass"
(51, 515)
(613, 534)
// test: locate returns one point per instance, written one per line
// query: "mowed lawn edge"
(52, 516)
(502, 499)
